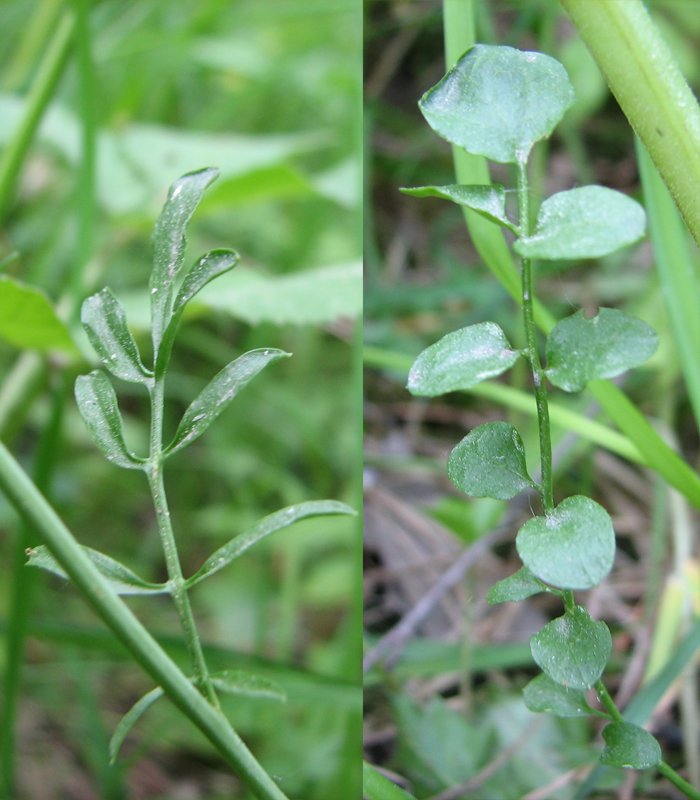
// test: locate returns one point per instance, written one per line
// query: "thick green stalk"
(651, 90)
(27, 499)
(40, 94)
(176, 580)
(546, 488)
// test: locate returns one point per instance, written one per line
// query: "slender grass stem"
(40, 94)
(176, 580)
(680, 783)
(546, 488)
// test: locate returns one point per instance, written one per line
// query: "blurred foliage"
(270, 93)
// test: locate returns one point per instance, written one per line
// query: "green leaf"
(273, 522)
(169, 242)
(132, 716)
(97, 403)
(246, 684)
(497, 102)
(519, 586)
(580, 349)
(588, 222)
(104, 321)
(490, 462)
(214, 398)
(376, 787)
(629, 746)
(488, 201)
(28, 320)
(208, 267)
(542, 694)
(571, 547)
(120, 578)
(461, 359)
(572, 650)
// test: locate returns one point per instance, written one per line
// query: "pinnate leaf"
(28, 319)
(488, 201)
(629, 746)
(519, 586)
(588, 222)
(169, 242)
(490, 462)
(208, 267)
(266, 526)
(104, 321)
(97, 403)
(542, 694)
(461, 359)
(214, 398)
(573, 650)
(571, 547)
(498, 101)
(120, 578)
(581, 350)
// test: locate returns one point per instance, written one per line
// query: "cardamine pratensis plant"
(172, 286)
(497, 102)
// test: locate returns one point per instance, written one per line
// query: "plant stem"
(680, 783)
(27, 499)
(176, 580)
(533, 356)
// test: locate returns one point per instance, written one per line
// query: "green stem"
(680, 783)
(27, 499)
(651, 90)
(176, 580)
(546, 489)
(40, 94)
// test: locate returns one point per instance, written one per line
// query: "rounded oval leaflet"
(572, 547)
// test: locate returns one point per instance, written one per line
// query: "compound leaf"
(489, 201)
(461, 359)
(169, 242)
(104, 321)
(490, 462)
(542, 694)
(120, 578)
(518, 586)
(571, 547)
(629, 746)
(572, 650)
(273, 522)
(581, 350)
(214, 398)
(588, 222)
(498, 101)
(98, 406)
(28, 319)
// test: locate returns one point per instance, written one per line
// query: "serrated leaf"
(519, 586)
(208, 267)
(214, 398)
(498, 101)
(246, 684)
(266, 526)
(629, 746)
(461, 359)
(588, 222)
(104, 321)
(120, 578)
(98, 406)
(28, 319)
(543, 695)
(169, 242)
(572, 650)
(132, 716)
(490, 462)
(489, 201)
(580, 350)
(571, 547)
